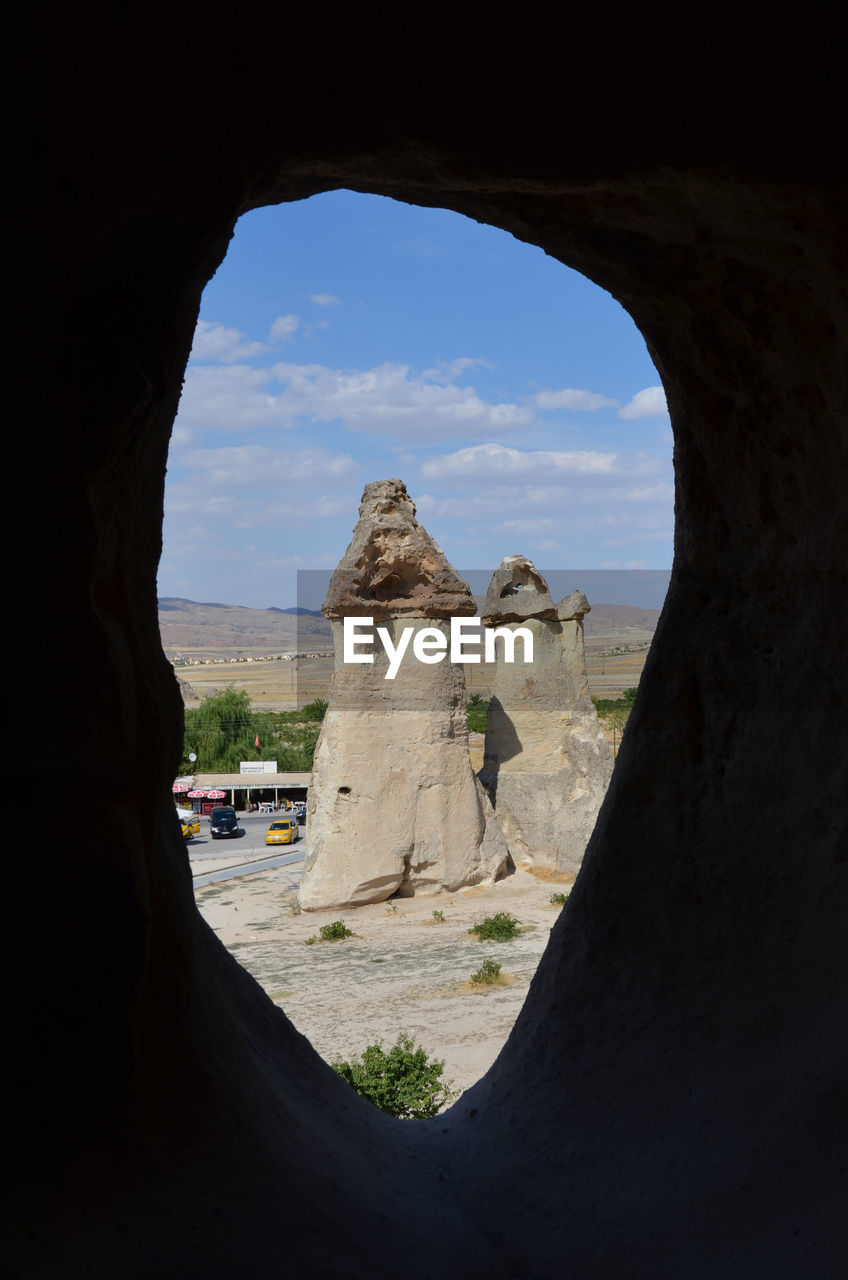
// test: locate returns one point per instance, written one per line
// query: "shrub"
(559, 899)
(477, 713)
(404, 1082)
(335, 932)
(488, 975)
(497, 928)
(439, 917)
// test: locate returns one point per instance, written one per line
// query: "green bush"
(404, 1082)
(335, 932)
(615, 711)
(559, 899)
(439, 917)
(477, 712)
(497, 928)
(488, 975)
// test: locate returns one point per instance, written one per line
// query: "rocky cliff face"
(394, 806)
(547, 763)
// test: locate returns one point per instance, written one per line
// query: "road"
(240, 855)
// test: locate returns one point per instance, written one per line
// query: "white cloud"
(263, 469)
(530, 525)
(570, 398)
(388, 400)
(284, 328)
(221, 493)
(217, 342)
(649, 403)
(568, 501)
(231, 399)
(550, 544)
(549, 500)
(449, 371)
(495, 461)
(325, 299)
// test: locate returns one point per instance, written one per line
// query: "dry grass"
(548, 876)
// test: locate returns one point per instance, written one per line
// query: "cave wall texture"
(672, 1100)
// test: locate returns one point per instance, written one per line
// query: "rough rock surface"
(547, 764)
(393, 568)
(394, 805)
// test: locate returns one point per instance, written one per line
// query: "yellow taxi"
(283, 831)
(190, 826)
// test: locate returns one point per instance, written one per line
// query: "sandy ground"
(403, 971)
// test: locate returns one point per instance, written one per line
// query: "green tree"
(404, 1082)
(223, 731)
(477, 712)
(615, 712)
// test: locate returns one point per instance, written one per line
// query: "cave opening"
(344, 338)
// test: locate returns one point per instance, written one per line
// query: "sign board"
(258, 766)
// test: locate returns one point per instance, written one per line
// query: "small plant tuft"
(404, 1082)
(497, 928)
(391, 907)
(439, 917)
(335, 932)
(558, 899)
(310, 942)
(488, 975)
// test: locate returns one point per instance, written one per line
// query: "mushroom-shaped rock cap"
(517, 592)
(393, 568)
(572, 607)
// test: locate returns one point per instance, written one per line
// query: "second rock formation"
(547, 763)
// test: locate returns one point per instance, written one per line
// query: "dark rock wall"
(671, 1101)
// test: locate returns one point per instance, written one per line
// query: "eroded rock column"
(547, 763)
(394, 805)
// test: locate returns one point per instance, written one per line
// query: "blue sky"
(348, 338)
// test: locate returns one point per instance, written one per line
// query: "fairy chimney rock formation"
(547, 763)
(393, 568)
(394, 806)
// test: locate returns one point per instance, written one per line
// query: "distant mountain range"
(232, 629)
(298, 610)
(219, 629)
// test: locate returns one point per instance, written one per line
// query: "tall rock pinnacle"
(394, 805)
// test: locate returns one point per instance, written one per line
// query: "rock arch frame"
(670, 1100)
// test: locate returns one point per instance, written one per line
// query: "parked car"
(223, 822)
(283, 831)
(300, 812)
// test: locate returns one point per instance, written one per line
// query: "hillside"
(616, 620)
(217, 629)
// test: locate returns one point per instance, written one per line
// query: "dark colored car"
(223, 822)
